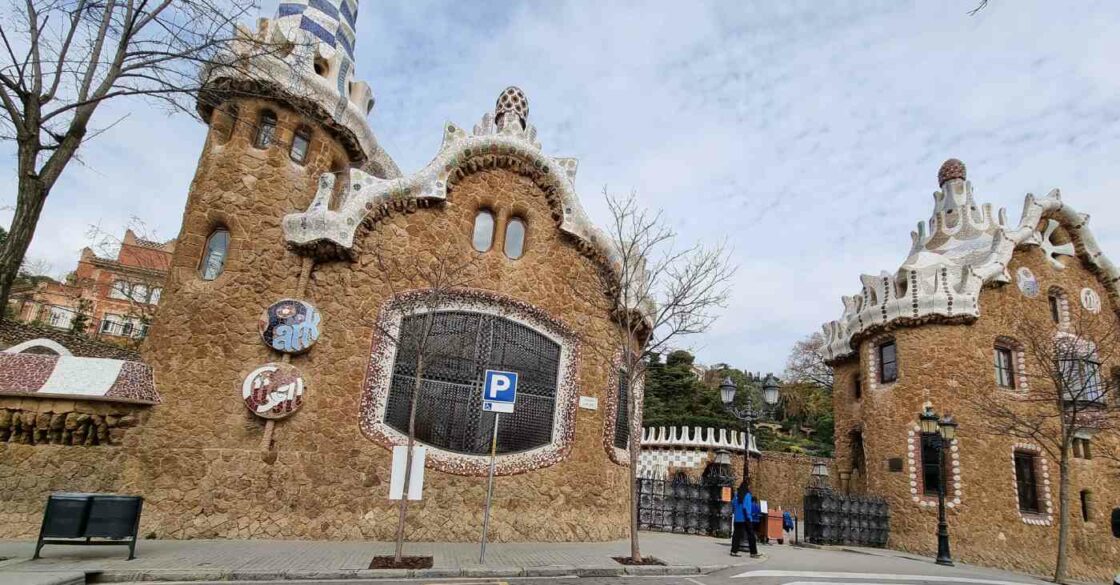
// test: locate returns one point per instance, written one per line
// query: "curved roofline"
(898, 301)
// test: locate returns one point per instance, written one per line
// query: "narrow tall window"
(1086, 505)
(515, 238)
(1055, 307)
(931, 466)
(1082, 448)
(266, 129)
(1025, 481)
(888, 362)
(857, 387)
(300, 143)
(483, 236)
(214, 260)
(1005, 368)
(622, 414)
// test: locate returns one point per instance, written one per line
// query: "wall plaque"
(274, 390)
(589, 402)
(1028, 284)
(1090, 300)
(290, 326)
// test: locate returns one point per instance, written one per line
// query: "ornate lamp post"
(747, 414)
(941, 431)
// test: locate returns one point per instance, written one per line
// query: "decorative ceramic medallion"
(290, 326)
(1028, 284)
(1090, 300)
(274, 390)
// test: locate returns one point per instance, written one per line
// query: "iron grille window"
(622, 416)
(888, 362)
(458, 349)
(931, 467)
(1025, 481)
(1005, 368)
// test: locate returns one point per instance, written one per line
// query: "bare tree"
(657, 292)
(806, 363)
(1067, 396)
(62, 59)
(419, 288)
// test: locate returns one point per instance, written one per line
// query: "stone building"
(306, 266)
(118, 296)
(942, 329)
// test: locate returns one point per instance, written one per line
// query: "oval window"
(515, 238)
(483, 236)
(214, 260)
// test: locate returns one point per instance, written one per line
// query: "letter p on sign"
(499, 391)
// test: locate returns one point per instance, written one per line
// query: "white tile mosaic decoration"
(962, 247)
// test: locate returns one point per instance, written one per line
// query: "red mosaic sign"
(274, 390)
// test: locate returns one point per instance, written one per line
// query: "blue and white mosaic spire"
(331, 21)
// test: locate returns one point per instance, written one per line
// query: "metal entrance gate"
(835, 518)
(684, 506)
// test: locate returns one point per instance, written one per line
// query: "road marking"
(693, 581)
(876, 577)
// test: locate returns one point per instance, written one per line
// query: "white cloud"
(806, 133)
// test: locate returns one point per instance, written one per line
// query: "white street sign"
(416, 478)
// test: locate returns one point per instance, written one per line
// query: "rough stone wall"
(937, 363)
(779, 478)
(197, 458)
(14, 333)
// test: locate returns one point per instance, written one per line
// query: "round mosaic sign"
(290, 326)
(1027, 282)
(1090, 300)
(274, 390)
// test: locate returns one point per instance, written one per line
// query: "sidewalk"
(248, 560)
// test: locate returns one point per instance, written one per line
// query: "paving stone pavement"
(260, 558)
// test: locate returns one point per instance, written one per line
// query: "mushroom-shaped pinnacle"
(511, 106)
(951, 169)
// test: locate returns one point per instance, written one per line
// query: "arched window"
(483, 236)
(266, 129)
(515, 238)
(458, 347)
(214, 259)
(622, 411)
(301, 141)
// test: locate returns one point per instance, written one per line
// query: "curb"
(156, 575)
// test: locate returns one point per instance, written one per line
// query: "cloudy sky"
(808, 134)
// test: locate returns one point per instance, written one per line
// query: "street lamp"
(942, 432)
(747, 414)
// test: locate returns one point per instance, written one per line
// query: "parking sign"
(499, 391)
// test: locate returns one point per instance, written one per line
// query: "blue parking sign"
(499, 391)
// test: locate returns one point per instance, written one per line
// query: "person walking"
(739, 510)
(753, 509)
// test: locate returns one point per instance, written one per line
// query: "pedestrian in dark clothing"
(754, 517)
(740, 509)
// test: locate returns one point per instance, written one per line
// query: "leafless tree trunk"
(62, 59)
(657, 292)
(430, 283)
(1068, 393)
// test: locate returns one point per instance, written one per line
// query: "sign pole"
(489, 490)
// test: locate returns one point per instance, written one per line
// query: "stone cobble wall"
(197, 458)
(14, 333)
(939, 363)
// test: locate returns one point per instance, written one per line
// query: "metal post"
(747, 458)
(943, 556)
(489, 491)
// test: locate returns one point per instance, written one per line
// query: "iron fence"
(835, 518)
(684, 506)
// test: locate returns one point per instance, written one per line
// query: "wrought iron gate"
(684, 506)
(835, 518)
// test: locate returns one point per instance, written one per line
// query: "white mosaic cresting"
(1044, 518)
(914, 452)
(655, 463)
(379, 374)
(961, 248)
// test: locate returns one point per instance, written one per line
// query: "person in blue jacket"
(743, 506)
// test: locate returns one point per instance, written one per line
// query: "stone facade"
(210, 468)
(940, 357)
